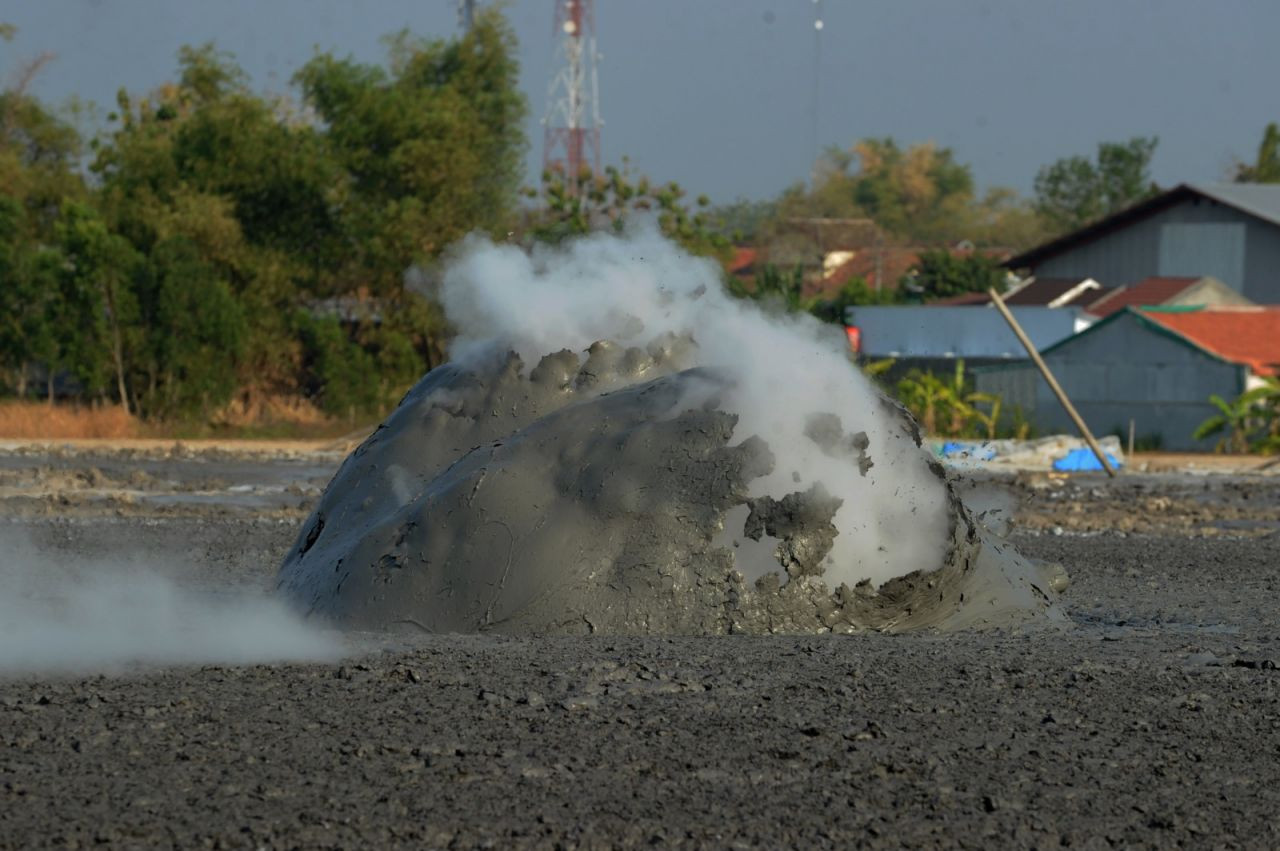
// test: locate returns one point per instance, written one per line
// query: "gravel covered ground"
(1154, 721)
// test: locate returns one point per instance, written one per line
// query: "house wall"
(930, 331)
(1262, 264)
(1128, 370)
(1193, 238)
(1014, 384)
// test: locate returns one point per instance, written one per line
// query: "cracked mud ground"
(1155, 721)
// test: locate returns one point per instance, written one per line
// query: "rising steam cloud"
(785, 369)
(62, 617)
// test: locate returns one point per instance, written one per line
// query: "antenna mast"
(466, 14)
(571, 140)
(818, 25)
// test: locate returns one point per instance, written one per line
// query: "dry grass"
(251, 410)
(37, 420)
(263, 418)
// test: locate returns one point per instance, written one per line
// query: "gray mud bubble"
(591, 496)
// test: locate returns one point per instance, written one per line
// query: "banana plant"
(989, 420)
(1249, 422)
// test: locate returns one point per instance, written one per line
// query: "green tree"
(1076, 191)
(1266, 168)
(855, 292)
(430, 150)
(38, 152)
(336, 371)
(742, 220)
(219, 216)
(920, 194)
(206, 161)
(97, 272)
(773, 285)
(942, 274)
(608, 201)
(196, 332)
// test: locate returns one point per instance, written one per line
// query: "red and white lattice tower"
(571, 140)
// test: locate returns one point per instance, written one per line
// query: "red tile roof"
(1244, 335)
(1149, 291)
(888, 262)
(742, 261)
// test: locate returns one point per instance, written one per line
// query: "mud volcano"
(608, 493)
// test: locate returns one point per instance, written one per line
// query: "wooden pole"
(1052, 382)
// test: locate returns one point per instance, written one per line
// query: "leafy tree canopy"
(1266, 168)
(609, 200)
(1076, 191)
(918, 195)
(942, 274)
(429, 149)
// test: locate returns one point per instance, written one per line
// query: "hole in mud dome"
(753, 559)
(313, 535)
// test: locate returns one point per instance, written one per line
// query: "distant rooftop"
(1243, 335)
(1260, 200)
(1057, 292)
(1151, 291)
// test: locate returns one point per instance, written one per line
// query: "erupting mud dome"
(619, 446)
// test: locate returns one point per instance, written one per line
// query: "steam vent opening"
(619, 446)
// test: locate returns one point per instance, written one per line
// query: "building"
(1155, 366)
(1097, 301)
(884, 266)
(1040, 292)
(1168, 292)
(1057, 292)
(744, 263)
(1230, 231)
(974, 333)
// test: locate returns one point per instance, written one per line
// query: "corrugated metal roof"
(1260, 200)
(1054, 292)
(1042, 291)
(1257, 199)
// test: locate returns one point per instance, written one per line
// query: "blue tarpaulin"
(976, 451)
(1082, 460)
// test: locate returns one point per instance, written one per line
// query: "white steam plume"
(786, 368)
(104, 615)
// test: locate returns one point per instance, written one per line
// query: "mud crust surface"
(1153, 722)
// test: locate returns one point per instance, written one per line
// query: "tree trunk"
(50, 385)
(22, 380)
(117, 348)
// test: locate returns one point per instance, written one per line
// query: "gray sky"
(718, 94)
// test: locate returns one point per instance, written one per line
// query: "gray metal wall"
(1015, 385)
(1262, 264)
(927, 331)
(1235, 248)
(1126, 370)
